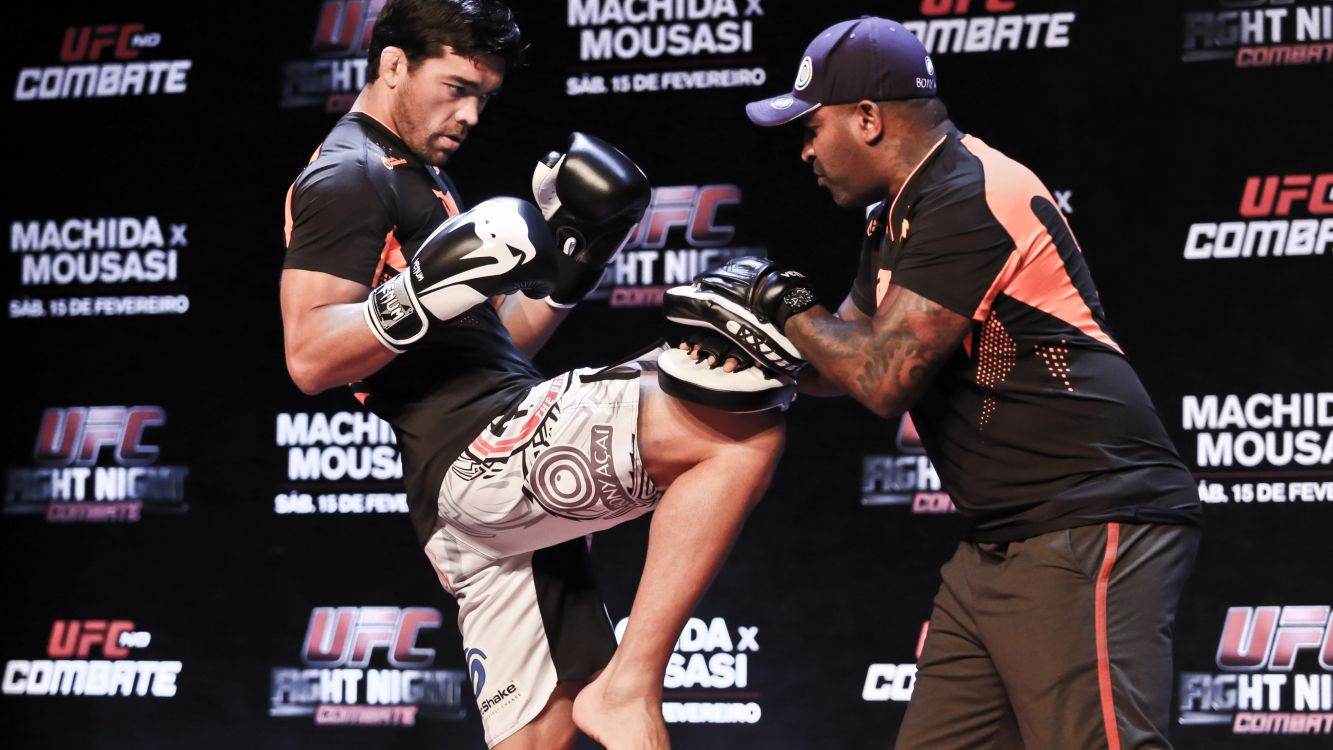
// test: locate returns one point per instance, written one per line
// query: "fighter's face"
(837, 155)
(438, 102)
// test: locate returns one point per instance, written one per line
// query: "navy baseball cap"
(865, 58)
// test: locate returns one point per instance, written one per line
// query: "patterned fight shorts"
(509, 540)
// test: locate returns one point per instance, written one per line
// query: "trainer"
(973, 308)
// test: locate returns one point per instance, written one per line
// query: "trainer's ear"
(869, 121)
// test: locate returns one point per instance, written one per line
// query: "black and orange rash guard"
(1038, 422)
(358, 211)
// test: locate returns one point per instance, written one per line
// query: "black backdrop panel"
(182, 527)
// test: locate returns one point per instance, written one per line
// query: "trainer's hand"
(591, 195)
(501, 246)
(748, 300)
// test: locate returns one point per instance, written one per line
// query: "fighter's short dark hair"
(422, 28)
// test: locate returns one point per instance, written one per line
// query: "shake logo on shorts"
(1276, 673)
(103, 61)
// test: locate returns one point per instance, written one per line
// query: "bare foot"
(620, 720)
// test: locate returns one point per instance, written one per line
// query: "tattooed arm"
(886, 361)
(814, 383)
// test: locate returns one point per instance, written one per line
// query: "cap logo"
(930, 66)
(782, 102)
(805, 73)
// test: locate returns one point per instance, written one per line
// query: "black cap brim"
(778, 110)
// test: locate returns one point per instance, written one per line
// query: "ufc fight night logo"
(987, 26)
(1284, 216)
(1260, 33)
(102, 61)
(341, 40)
(905, 478)
(97, 463)
(89, 658)
(1277, 673)
(682, 233)
(341, 683)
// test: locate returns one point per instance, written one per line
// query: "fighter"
(391, 286)
(974, 309)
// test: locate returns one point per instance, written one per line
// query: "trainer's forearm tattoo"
(887, 362)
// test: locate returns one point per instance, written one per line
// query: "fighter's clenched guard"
(432, 312)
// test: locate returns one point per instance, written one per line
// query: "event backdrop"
(187, 538)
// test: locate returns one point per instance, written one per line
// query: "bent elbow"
(305, 377)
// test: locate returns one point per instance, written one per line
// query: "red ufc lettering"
(1274, 195)
(77, 637)
(88, 42)
(959, 7)
(345, 25)
(693, 207)
(348, 636)
(77, 435)
(1255, 637)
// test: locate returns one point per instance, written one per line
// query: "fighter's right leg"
(714, 467)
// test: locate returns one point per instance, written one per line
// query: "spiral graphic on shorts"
(562, 481)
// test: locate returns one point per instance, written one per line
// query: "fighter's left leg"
(1079, 625)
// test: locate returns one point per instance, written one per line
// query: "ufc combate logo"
(1256, 638)
(1275, 195)
(75, 436)
(88, 43)
(348, 636)
(76, 638)
(959, 7)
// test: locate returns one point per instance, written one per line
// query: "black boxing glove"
(501, 246)
(591, 196)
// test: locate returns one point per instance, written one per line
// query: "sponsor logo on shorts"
(367, 666)
(102, 62)
(73, 666)
(573, 483)
(97, 464)
(1276, 673)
